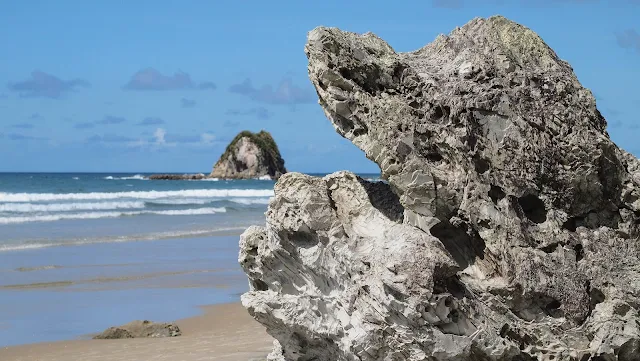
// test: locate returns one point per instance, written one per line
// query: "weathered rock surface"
(250, 155)
(140, 329)
(177, 176)
(509, 228)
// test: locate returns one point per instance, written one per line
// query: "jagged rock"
(177, 176)
(140, 329)
(250, 155)
(508, 230)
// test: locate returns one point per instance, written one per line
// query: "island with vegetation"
(248, 156)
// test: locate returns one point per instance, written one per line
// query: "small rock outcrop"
(508, 229)
(198, 176)
(140, 329)
(250, 155)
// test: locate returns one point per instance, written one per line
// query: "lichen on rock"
(508, 229)
(250, 155)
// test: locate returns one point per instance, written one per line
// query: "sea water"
(45, 210)
(83, 252)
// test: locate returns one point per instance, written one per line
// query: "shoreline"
(62, 293)
(223, 331)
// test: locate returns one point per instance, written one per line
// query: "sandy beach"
(223, 332)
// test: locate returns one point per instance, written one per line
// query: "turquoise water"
(83, 252)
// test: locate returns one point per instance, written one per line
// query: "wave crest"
(190, 193)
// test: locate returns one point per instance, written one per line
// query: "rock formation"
(250, 155)
(508, 229)
(140, 329)
(198, 176)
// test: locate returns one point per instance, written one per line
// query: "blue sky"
(163, 85)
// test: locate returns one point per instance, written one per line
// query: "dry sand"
(225, 332)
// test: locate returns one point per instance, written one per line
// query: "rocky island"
(508, 229)
(248, 156)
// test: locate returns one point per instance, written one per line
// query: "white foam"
(191, 193)
(250, 200)
(180, 201)
(97, 215)
(264, 177)
(66, 207)
(137, 176)
(189, 212)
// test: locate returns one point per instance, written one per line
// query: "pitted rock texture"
(508, 229)
(250, 155)
(140, 329)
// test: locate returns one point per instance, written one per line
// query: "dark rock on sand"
(140, 329)
(249, 156)
(509, 228)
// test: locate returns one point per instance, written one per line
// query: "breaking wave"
(97, 215)
(66, 207)
(137, 176)
(191, 193)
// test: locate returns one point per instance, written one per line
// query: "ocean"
(80, 252)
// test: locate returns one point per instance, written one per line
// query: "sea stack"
(508, 229)
(250, 156)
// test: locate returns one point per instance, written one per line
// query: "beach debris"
(140, 329)
(508, 229)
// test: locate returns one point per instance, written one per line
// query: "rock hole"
(481, 165)
(359, 132)
(496, 193)
(451, 285)
(322, 85)
(549, 248)
(434, 157)
(553, 305)
(259, 285)
(302, 238)
(533, 208)
(503, 330)
(595, 296)
(448, 302)
(571, 224)
(579, 250)
(437, 113)
(344, 125)
(463, 248)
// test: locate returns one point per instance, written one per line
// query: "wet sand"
(224, 332)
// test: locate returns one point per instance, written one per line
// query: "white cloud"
(158, 135)
(207, 138)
